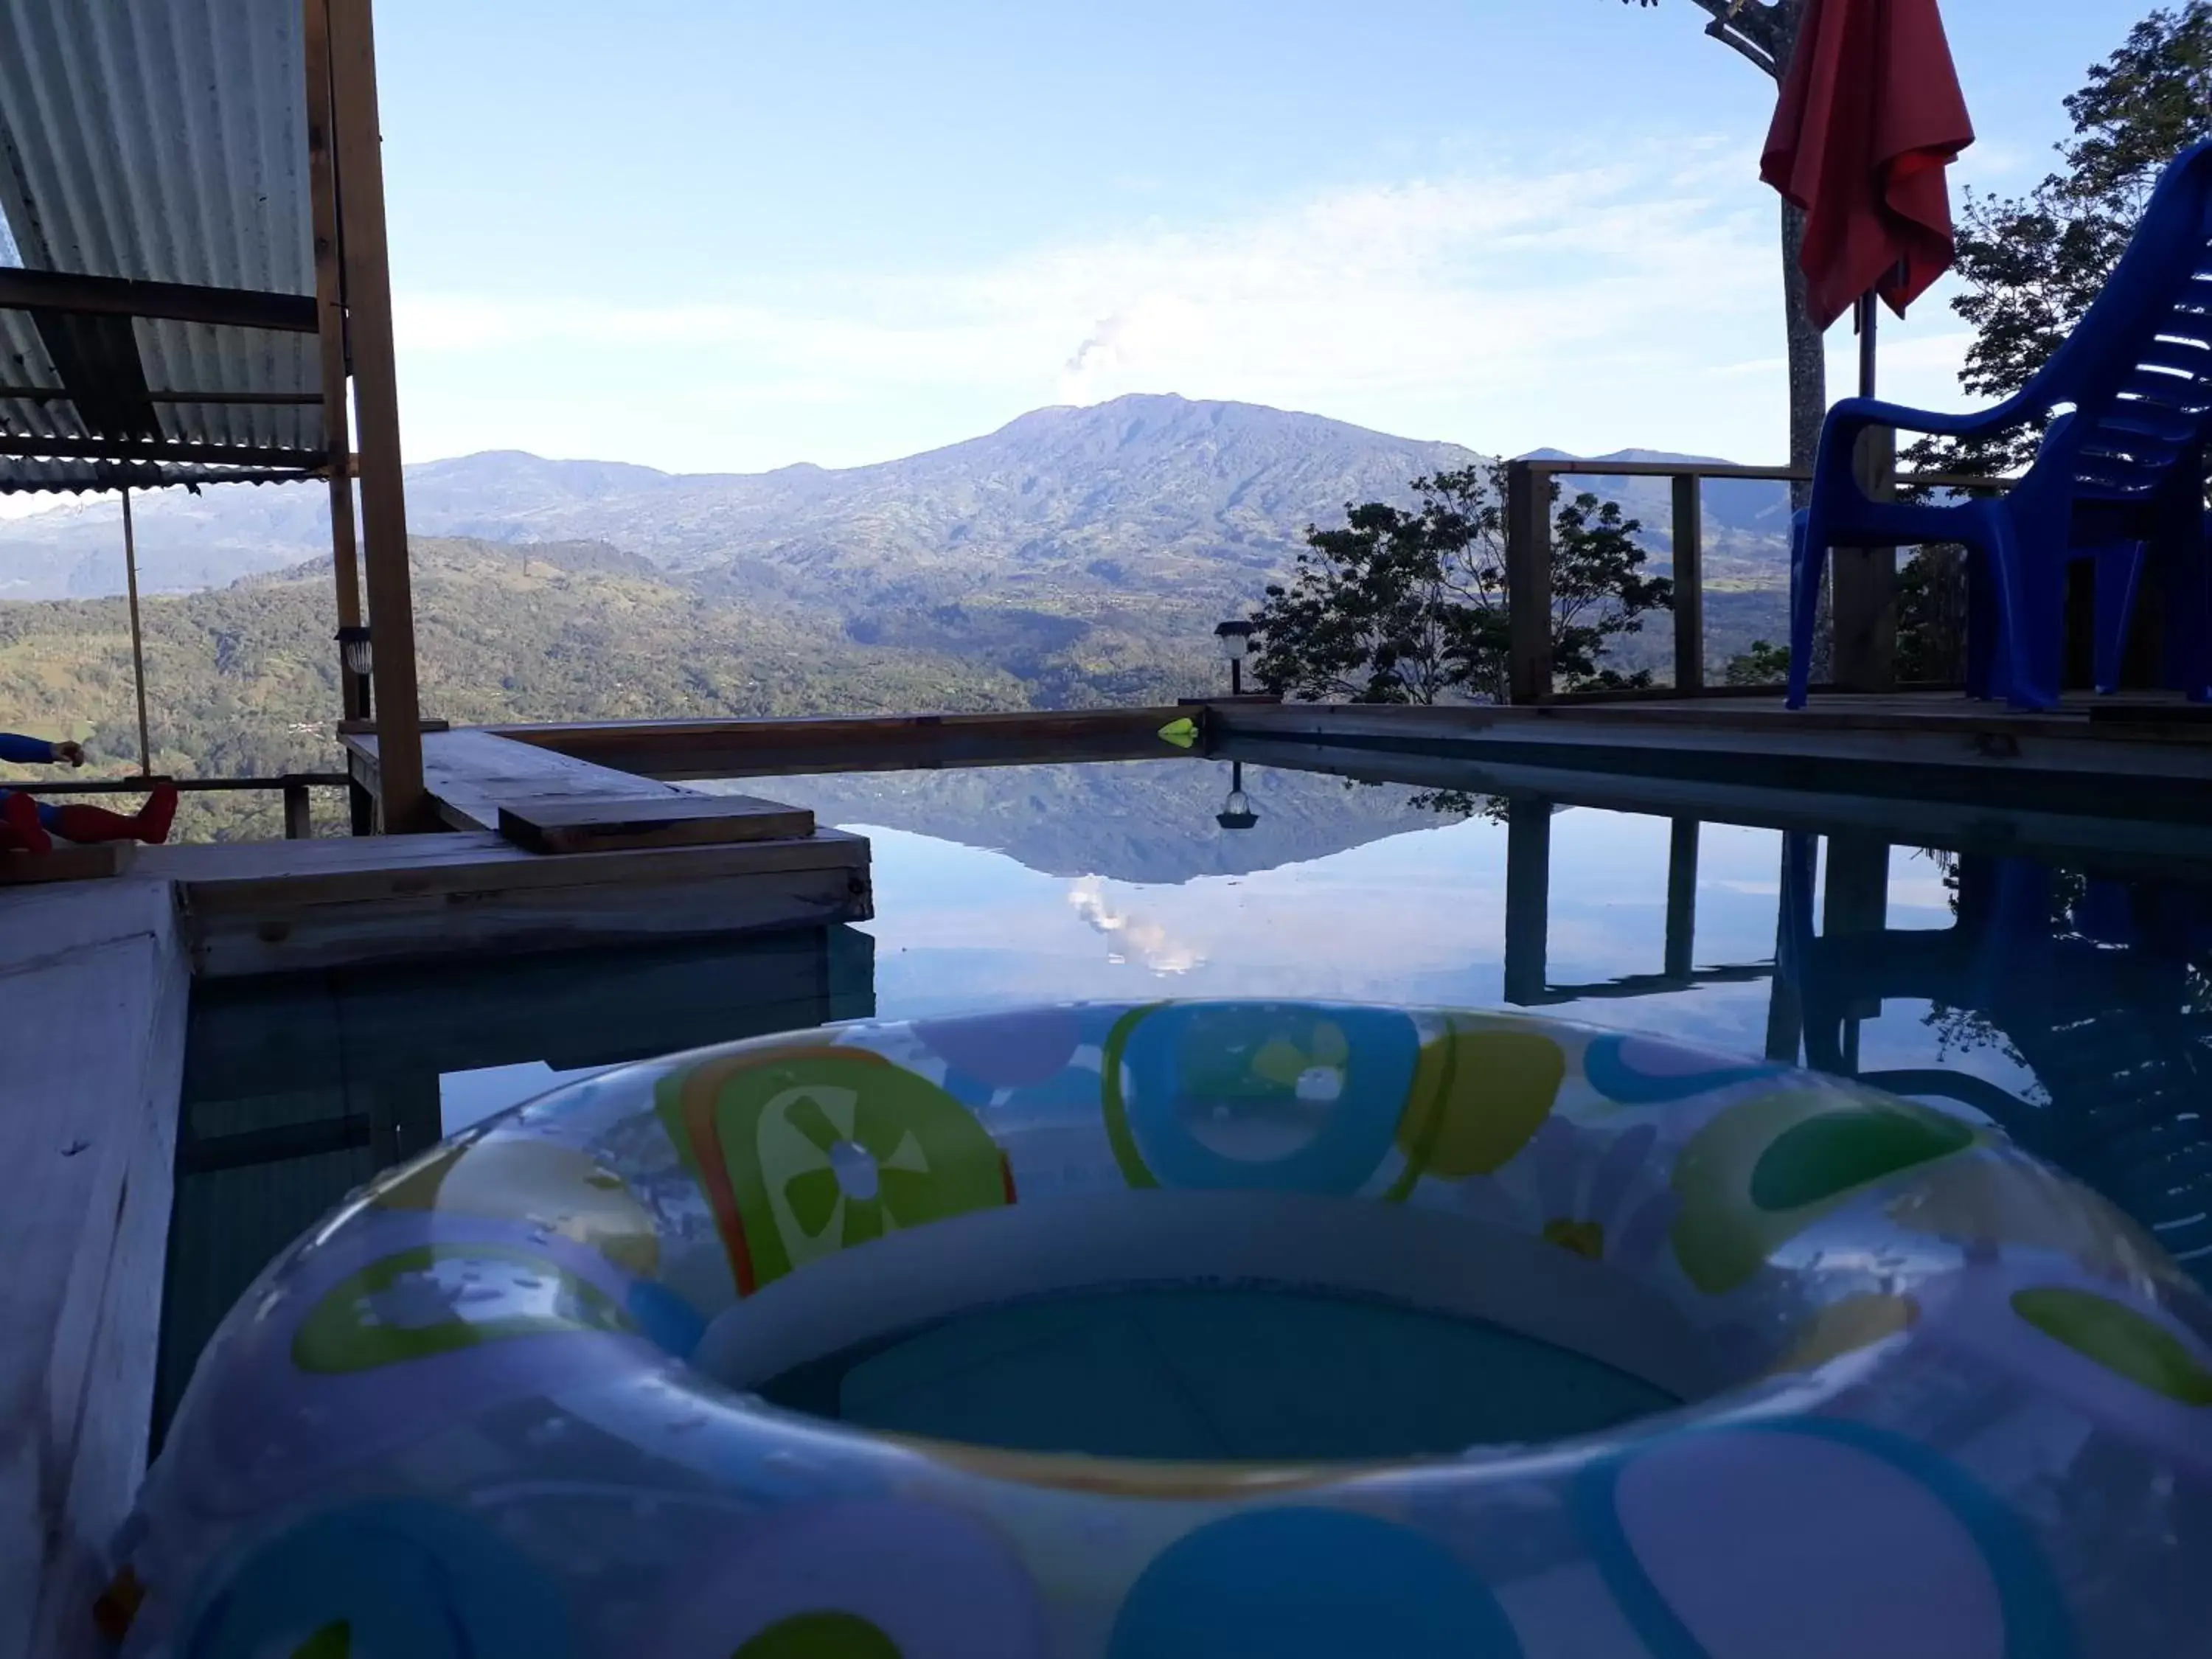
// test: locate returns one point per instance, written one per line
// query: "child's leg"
(20, 825)
(87, 825)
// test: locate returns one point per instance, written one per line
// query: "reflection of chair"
(2096, 1003)
(2121, 469)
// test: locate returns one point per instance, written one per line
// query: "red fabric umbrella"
(1870, 116)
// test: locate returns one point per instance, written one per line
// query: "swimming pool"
(2072, 1006)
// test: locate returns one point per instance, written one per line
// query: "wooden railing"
(1865, 579)
(299, 820)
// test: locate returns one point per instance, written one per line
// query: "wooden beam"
(1689, 584)
(75, 294)
(1528, 582)
(1864, 579)
(158, 449)
(55, 394)
(330, 310)
(366, 268)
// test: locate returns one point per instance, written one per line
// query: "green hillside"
(242, 680)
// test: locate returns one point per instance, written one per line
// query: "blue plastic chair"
(2118, 477)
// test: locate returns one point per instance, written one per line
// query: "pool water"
(2068, 1003)
(1219, 1374)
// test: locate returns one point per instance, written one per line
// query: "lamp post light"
(1234, 639)
(1237, 812)
(358, 655)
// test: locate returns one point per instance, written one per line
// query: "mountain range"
(1150, 495)
(1075, 557)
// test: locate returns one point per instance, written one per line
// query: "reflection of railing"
(2108, 1022)
(299, 819)
(1865, 580)
(1528, 917)
(2105, 1025)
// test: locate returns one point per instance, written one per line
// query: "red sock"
(157, 814)
(20, 814)
(87, 825)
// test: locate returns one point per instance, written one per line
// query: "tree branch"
(1735, 41)
(1758, 30)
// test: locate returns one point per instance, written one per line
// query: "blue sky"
(731, 236)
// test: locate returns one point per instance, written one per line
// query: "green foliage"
(1409, 606)
(243, 680)
(1764, 664)
(2032, 265)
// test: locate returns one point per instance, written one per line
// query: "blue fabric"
(31, 751)
(2117, 478)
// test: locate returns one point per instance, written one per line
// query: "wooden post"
(298, 815)
(1865, 590)
(1528, 897)
(1689, 586)
(1854, 899)
(138, 639)
(1785, 1011)
(329, 316)
(1529, 581)
(1682, 899)
(366, 268)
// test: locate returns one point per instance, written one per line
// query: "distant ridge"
(1148, 494)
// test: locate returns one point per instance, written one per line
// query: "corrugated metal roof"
(165, 141)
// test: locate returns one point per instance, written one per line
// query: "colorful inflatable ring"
(1076, 1333)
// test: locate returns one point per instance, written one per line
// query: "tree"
(1764, 664)
(1765, 33)
(1409, 606)
(2032, 265)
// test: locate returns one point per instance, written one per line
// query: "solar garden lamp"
(1237, 812)
(1236, 640)
(356, 652)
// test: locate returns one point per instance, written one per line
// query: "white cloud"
(1587, 307)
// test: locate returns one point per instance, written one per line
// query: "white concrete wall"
(94, 985)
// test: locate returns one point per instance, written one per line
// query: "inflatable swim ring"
(1197, 1328)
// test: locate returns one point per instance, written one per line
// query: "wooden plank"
(80, 294)
(66, 863)
(728, 749)
(1990, 742)
(568, 826)
(2125, 849)
(367, 289)
(472, 773)
(55, 394)
(259, 879)
(1528, 582)
(93, 994)
(503, 922)
(1689, 585)
(329, 322)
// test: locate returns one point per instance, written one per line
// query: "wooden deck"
(2110, 781)
(764, 748)
(270, 906)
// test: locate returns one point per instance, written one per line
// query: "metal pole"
(1870, 311)
(1236, 677)
(138, 639)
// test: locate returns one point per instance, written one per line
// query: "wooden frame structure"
(1865, 590)
(86, 413)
